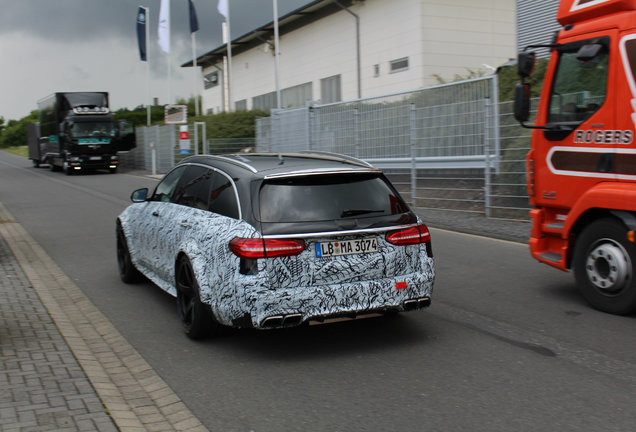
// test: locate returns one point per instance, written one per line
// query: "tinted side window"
(165, 188)
(222, 197)
(579, 86)
(193, 187)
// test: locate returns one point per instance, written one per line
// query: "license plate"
(95, 158)
(346, 247)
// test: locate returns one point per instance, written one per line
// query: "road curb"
(134, 395)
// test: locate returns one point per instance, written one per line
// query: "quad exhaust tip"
(282, 320)
(417, 303)
(294, 319)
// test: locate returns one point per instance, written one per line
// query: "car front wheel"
(127, 271)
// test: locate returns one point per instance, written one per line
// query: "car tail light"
(413, 235)
(265, 248)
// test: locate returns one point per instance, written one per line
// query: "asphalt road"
(507, 345)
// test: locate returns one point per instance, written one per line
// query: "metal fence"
(158, 148)
(450, 147)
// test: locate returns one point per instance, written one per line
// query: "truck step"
(551, 256)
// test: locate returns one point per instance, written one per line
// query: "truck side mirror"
(125, 136)
(588, 52)
(525, 64)
(522, 102)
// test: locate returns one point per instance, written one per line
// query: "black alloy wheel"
(195, 317)
(127, 271)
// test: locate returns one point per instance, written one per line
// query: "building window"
(376, 70)
(264, 102)
(297, 96)
(240, 105)
(399, 64)
(330, 90)
(291, 97)
(211, 80)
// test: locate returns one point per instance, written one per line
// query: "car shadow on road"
(350, 337)
(329, 340)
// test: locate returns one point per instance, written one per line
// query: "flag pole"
(276, 60)
(164, 39)
(229, 59)
(148, 67)
(194, 75)
(194, 27)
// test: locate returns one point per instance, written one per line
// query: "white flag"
(222, 7)
(164, 26)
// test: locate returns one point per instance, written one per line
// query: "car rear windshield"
(315, 198)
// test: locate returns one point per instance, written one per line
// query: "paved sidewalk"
(63, 366)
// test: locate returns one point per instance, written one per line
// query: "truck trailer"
(77, 132)
(581, 167)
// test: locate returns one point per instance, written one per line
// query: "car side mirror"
(140, 195)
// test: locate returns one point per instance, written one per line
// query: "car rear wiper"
(358, 212)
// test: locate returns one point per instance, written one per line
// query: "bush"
(14, 132)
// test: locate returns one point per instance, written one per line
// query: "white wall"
(459, 36)
(444, 38)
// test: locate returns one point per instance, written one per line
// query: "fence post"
(196, 138)
(143, 152)
(413, 140)
(356, 131)
(172, 143)
(310, 115)
(495, 120)
(157, 144)
(276, 139)
(486, 160)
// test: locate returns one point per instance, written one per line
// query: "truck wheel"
(604, 267)
(36, 163)
(195, 318)
(127, 271)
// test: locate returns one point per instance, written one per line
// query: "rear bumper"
(264, 308)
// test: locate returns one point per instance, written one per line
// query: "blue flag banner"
(194, 23)
(141, 33)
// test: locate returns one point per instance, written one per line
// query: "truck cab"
(78, 132)
(581, 169)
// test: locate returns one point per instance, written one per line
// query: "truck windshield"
(93, 129)
(579, 87)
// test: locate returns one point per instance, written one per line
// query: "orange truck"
(581, 168)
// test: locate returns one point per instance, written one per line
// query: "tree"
(508, 78)
(14, 133)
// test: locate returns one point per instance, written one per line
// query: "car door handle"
(185, 224)
(155, 213)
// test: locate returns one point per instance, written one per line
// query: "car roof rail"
(337, 156)
(235, 159)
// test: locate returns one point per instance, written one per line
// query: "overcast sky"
(91, 45)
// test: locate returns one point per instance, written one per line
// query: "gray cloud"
(80, 45)
(75, 20)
